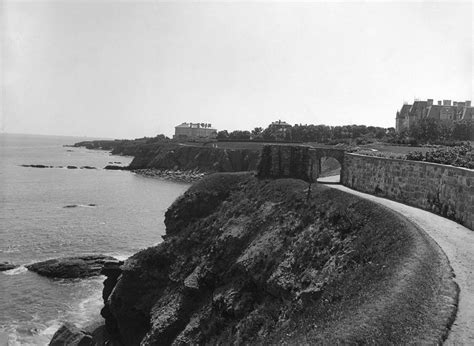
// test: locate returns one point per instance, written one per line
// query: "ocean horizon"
(114, 213)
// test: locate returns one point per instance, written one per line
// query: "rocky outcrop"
(173, 175)
(70, 335)
(71, 267)
(205, 159)
(7, 266)
(115, 167)
(68, 167)
(37, 166)
(249, 261)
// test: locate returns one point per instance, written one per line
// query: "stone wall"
(444, 190)
(287, 161)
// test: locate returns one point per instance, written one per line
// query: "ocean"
(127, 215)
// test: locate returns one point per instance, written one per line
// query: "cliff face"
(173, 156)
(247, 260)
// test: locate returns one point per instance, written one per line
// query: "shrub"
(415, 156)
(460, 156)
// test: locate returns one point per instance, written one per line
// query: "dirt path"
(458, 243)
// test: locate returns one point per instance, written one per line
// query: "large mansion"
(194, 131)
(409, 114)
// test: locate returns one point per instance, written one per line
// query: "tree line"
(426, 130)
(310, 133)
(429, 130)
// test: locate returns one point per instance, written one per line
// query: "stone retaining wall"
(444, 190)
(286, 161)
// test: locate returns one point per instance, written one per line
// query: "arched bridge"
(290, 161)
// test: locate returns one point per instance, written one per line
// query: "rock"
(88, 167)
(71, 267)
(114, 167)
(70, 206)
(7, 266)
(70, 335)
(99, 334)
(251, 261)
(71, 167)
(36, 166)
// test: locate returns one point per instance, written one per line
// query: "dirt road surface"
(457, 242)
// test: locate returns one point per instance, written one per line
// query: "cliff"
(184, 157)
(168, 155)
(249, 260)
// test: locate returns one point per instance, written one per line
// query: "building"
(194, 131)
(279, 125)
(444, 110)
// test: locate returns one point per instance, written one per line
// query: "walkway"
(458, 243)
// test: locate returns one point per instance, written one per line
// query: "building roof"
(404, 111)
(468, 113)
(280, 123)
(418, 106)
(207, 126)
(434, 112)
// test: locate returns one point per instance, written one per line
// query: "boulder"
(7, 266)
(37, 166)
(71, 267)
(69, 334)
(115, 167)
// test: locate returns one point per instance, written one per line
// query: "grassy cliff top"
(262, 261)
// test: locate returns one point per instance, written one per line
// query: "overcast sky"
(132, 69)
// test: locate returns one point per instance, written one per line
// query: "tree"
(425, 130)
(463, 130)
(238, 134)
(257, 132)
(222, 134)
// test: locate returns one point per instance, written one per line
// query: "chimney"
(429, 102)
(468, 103)
(439, 103)
(446, 102)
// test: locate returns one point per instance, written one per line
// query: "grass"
(330, 269)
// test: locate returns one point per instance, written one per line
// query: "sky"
(123, 69)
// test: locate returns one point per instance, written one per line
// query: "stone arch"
(295, 161)
(320, 153)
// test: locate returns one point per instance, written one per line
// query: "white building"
(194, 131)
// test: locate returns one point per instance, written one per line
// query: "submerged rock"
(71, 267)
(70, 335)
(37, 166)
(114, 167)
(7, 266)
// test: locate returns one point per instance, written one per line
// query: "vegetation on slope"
(458, 156)
(254, 261)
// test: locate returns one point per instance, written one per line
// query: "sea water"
(115, 213)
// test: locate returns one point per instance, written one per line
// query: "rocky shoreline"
(72, 267)
(185, 176)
